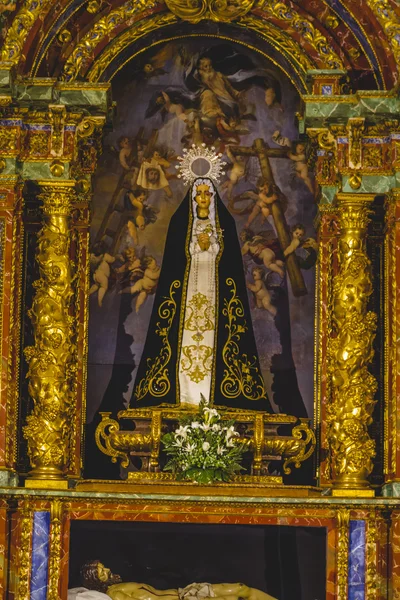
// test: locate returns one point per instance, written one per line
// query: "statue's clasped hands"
(204, 241)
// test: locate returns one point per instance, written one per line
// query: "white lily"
(182, 431)
(205, 427)
(216, 427)
(220, 450)
(189, 447)
(206, 446)
(210, 413)
(195, 425)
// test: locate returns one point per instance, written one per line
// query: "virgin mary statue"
(200, 339)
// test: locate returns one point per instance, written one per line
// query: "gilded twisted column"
(52, 358)
(351, 351)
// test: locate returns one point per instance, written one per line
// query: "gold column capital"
(57, 196)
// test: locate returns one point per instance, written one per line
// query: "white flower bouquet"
(203, 448)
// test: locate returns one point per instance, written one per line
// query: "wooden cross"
(263, 152)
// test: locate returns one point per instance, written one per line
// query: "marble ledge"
(131, 495)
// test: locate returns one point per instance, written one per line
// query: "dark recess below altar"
(286, 562)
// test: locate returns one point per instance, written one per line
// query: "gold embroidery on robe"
(156, 380)
(242, 375)
(198, 358)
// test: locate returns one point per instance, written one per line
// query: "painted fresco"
(223, 95)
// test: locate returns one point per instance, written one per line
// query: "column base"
(47, 484)
(352, 493)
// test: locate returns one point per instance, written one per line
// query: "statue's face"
(203, 195)
(102, 572)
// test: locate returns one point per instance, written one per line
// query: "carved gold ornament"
(23, 22)
(102, 28)
(52, 360)
(342, 519)
(351, 350)
(309, 34)
(216, 10)
(390, 21)
(57, 168)
(355, 181)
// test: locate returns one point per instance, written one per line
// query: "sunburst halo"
(213, 158)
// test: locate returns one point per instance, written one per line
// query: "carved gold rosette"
(52, 360)
(351, 350)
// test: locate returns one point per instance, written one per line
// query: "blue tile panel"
(40, 555)
(356, 581)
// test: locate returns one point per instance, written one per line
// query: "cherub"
(147, 285)
(262, 248)
(141, 213)
(261, 294)
(131, 270)
(100, 262)
(174, 108)
(237, 172)
(229, 131)
(300, 166)
(268, 193)
(297, 233)
(297, 153)
(125, 152)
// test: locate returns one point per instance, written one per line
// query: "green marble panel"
(41, 170)
(11, 167)
(328, 193)
(5, 78)
(371, 184)
(31, 92)
(81, 97)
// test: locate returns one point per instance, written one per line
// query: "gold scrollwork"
(351, 350)
(23, 565)
(197, 358)
(372, 157)
(21, 25)
(56, 514)
(280, 40)
(39, 143)
(8, 137)
(156, 380)
(306, 447)
(309, 34)
(390, 21)
(52, 361)
(135, 32)
(101, 29)
(216, 10)
(342, 549)
(242, 375)
(105, 432)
